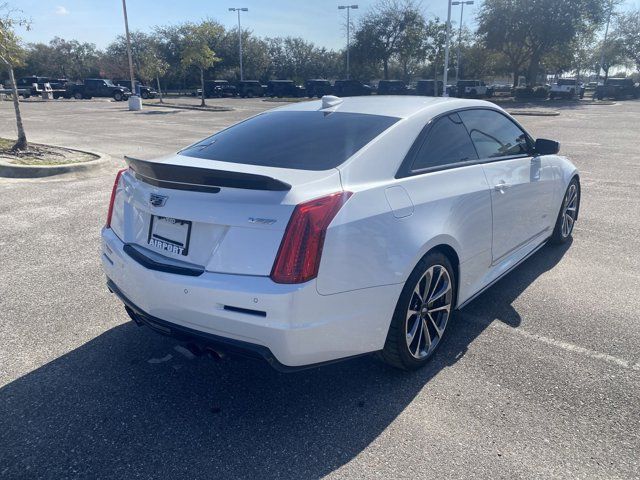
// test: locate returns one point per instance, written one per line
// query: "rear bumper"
(290, 326)
(200, 338)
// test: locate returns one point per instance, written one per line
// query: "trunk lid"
(221, 216)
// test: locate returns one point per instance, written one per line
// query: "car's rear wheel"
(145, 95)
(77, 96)
(422, 313)
(568, 213)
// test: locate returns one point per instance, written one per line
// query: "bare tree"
(11, 54)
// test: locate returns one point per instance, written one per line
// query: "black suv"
(428, 88)
(392, 87)
(617, 88)
(284, 88)
(250, 88)
(218, 89)
(350, 88)
(145, 91)
(97, 87)
(317, 87)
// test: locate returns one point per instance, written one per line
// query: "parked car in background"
(566, 88)
(317, 87)
(34, 85)
(501, 90)
(303, 237)
(350, 88)
(284, 88)
(145, 91)
(249, 88)
(97, 87)
(473, 89)
(391, 87)
(430, 88)
(219, 89)
(618, 89)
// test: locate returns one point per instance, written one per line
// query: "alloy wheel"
(428, 312)
(570, 210)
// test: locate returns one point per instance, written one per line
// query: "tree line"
(394, 39)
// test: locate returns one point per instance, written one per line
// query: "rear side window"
(299, 140)
(494, 135)
(447, 142)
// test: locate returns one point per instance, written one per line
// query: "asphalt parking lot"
(537, 378)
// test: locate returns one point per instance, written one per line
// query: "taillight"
(113, 196)
(298, 259)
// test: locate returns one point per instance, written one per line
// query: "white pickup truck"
(473, 89)
(566, 88)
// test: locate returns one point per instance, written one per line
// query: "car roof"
(392, 105)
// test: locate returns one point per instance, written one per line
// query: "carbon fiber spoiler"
(181, 177)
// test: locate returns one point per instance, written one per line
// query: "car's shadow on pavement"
(128, 405)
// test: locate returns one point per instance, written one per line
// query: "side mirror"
(546, 147)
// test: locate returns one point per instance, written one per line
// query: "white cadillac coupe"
(333, 228)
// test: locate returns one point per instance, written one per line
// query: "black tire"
(145, 95)
(396, 350)
(78, 96)
(561, 235)
(117, 96)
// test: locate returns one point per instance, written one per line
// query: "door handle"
(501, 187)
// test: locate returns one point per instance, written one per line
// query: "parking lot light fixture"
(446, 51)
(348, 8)
(239, 9)
(462, 4)
(134, 103)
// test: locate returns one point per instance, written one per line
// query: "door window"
(447, 143)
(494, 135)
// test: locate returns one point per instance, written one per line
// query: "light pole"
(133, 104)
(462, 4)
(240, 9)
(446, 51)
(604, 42)
(348, 9)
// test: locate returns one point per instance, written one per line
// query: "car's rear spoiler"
(181, 177)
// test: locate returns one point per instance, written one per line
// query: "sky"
(100, 21)
(319, 21)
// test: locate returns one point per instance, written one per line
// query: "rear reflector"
(113, 196)
(298, 259)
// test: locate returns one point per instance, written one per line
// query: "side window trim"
(405, 169)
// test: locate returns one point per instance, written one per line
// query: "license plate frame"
(163, 241)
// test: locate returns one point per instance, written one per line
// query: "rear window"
(299, 140)
(566, 82)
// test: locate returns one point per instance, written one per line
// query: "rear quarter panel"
(367, 245)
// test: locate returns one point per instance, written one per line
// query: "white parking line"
(569, 347)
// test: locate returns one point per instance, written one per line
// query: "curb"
(287, 99)
(189, 107)
(533, 113)
(10, 170)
